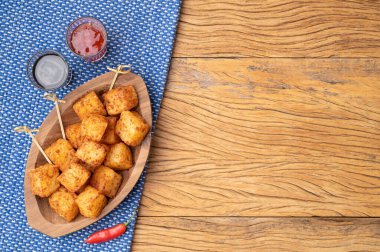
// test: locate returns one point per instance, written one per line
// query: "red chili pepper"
(109, 233)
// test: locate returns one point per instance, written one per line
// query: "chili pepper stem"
(127, 223)
(132, 217)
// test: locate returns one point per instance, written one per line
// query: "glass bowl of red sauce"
(87, 38)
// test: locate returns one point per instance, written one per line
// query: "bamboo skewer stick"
(117, 71)
(26, 129)
(54, 98)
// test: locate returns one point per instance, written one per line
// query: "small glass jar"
(48, 70)
(87, 38)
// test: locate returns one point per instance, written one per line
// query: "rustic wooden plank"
(279, 28)
(256, 234)
(267, 137)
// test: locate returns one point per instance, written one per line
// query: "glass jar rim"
(84, 17)
(33, 61)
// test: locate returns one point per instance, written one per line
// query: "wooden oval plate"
(40, 215)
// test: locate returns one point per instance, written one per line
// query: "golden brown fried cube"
(119, 157)
(43, 180)
(75, 177)
(110, 136)
(93, 127)
(91, 202)
(120, 99)
(89, 104)
(88, 167)
(63, 203)
(106, 181)
(61, 153)
(131, 128)
(73, 134)
(92, 153)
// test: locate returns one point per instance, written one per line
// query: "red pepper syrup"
(87, 40)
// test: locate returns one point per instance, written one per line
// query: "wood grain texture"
(267, 137)
(279, 28)
(40, 215)
(246, 137)
(256, 234)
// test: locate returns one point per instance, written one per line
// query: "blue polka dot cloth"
(140, 33)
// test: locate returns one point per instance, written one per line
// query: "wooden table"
(269, 134)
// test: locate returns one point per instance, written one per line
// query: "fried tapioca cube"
(119, 157)
(92, 153)
(91, 202)
(75, 177)
(120, 99)
(106, 181)
(43, 180)
(73, 134)
(110, 136)
(93, 127)
(131, 128)
(89, 104)
(87, 166)
(61, 153)
(63, 203)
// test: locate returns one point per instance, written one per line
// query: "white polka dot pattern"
(140, 33)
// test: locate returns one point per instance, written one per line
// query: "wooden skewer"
(27, 130)
(117, 71)
(54, 98)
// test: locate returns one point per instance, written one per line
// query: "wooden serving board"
(40, 215)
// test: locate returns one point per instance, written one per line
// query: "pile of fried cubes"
(86, 167)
